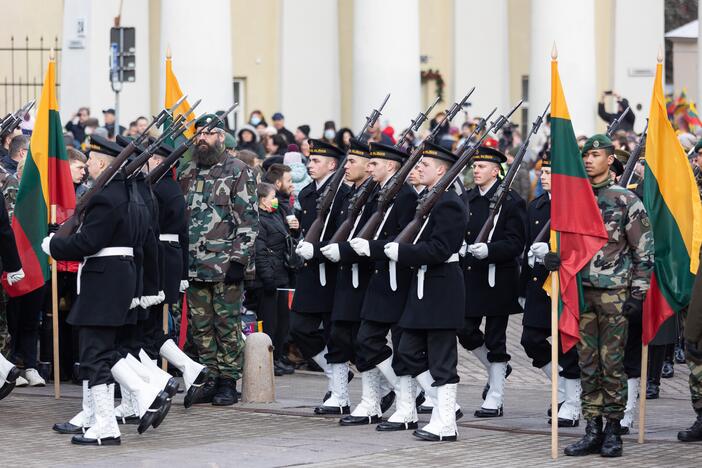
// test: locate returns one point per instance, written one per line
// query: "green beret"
(698, 146)
(598, 141)
(206, 119)
(229, 141)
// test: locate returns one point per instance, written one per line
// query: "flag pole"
(642, 392)
(554, 365)
(164, 363)
(54, 318)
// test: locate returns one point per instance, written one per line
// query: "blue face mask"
(329, 134)
(255, 120)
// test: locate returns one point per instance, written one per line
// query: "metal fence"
(22, 66)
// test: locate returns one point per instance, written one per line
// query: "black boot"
(590, 443)
(226, 393)
(612, 443)
(653, 390)
(694, 433)
(204, 394)
(668, 370)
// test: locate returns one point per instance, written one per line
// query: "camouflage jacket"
(9, 187)
(626, 260)
(222, 209)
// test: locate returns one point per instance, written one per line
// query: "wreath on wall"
(434, 75)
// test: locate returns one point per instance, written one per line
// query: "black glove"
(235, 273)
(53, 227)
(632, 308)
(552, 261)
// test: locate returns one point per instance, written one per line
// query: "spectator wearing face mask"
(258, 121)
(329, 132)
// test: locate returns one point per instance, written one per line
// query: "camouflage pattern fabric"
(693, 357)
(626, 260)
(9, 187)
(222, 206)
(603, 334)
(215, 324)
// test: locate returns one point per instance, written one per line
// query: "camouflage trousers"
(4, 332)
(693, 356)
(214, 310)
(603, 334)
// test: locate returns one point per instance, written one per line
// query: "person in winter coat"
(300, 177)
(248, 139)
(271, 273)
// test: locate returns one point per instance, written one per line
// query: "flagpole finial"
(52, 54)
(168, 52)
(554, 52)
(660, 54)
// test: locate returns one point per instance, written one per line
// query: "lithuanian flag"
(46, 181)
(575, 216)
(173, 93)
(674, 210)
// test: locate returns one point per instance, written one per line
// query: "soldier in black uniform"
(351, 282)
(432, 317)
(537, 307)
(316, 280)
(492, 275)
(113, 225)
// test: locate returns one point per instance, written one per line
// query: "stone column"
(481, 54)
(572, 26)
(309, 63)
(386, 60)
(199, 37)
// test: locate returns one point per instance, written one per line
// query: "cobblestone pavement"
(286, 433)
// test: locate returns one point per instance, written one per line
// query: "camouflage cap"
(597, 141)
(229, 141)
(205, 119)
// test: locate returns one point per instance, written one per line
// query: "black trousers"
(372, 346)
(274, 312)
(342, 342)
(632, 350)
(130, 339)
(97, 354)
(537, 347)
(433, 350)
(306, 333)
(494, 338)
(23, 318)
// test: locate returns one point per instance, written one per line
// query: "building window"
(525, 105)
(239, 114)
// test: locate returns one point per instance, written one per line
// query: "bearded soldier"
(614, 285)
(221, 203)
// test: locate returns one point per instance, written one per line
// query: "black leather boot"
(204, 394)
(612, 443)
(591, 441)
(694, 433)
(226, 393)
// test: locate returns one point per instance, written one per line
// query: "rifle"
(12, 121)
(387, 195)
(616, 123)
(501, 194)
(162, 169)
(633, 159)
(326, 200)
(176, 129)
(359, 199)
(412, 230)
(72, 223)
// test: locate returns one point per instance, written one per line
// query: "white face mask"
(329, 134)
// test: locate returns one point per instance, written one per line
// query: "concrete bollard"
(258, 381)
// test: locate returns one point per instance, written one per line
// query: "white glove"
(332, 253)
(305, 250)
(479, 251)
(392, 250)
(462, 250)
(184, 284)
(46, 243)
(539, 250)
(360, 246)
(14, 277)
(522, 302)
(135, 303)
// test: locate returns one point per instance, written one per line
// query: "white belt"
(168, 237)
(106, 252)
(423, 269)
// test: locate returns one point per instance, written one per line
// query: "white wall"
(309, 63)
(85, 71)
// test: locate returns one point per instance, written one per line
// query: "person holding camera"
(622, 103)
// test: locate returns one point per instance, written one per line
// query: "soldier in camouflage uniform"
(8, 187)
(220, 198)
(614, 285)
